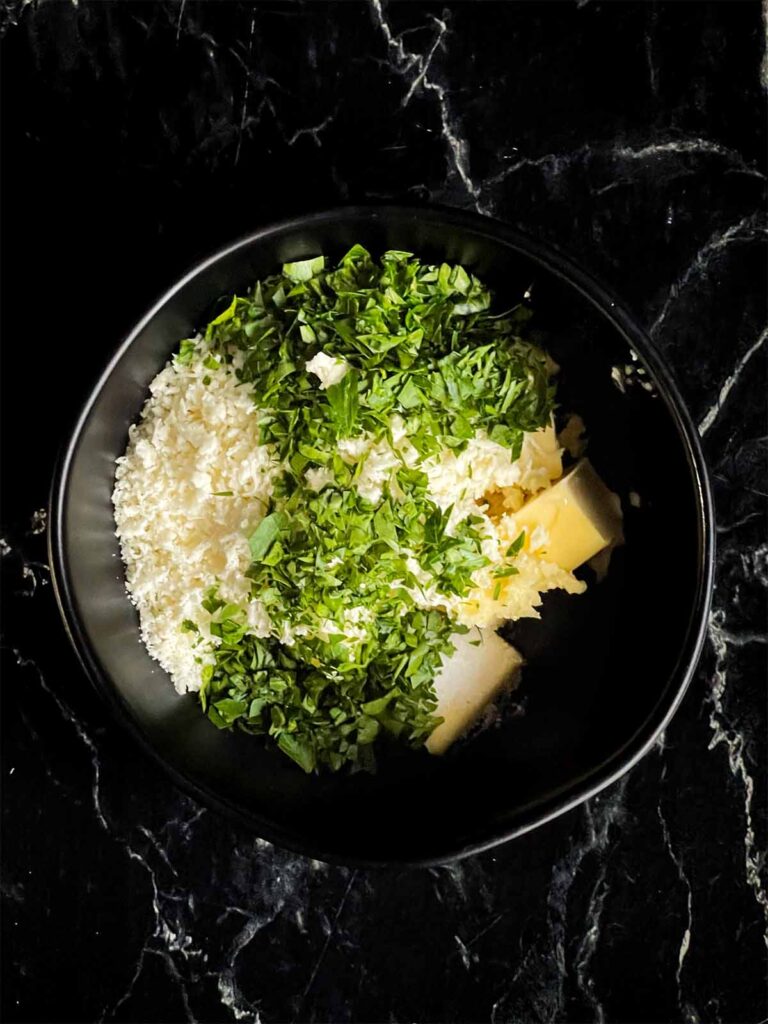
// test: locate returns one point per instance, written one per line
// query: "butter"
(470, 678)
(578, 516)
(570, 522)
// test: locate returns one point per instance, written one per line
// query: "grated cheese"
(328, 369)
(177, 538)
(484, 467)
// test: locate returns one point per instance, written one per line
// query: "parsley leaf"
(265, 535)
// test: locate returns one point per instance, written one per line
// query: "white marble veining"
(644, 161)
(748, 229)
(415, 67)
(729, 383)
(726, 733)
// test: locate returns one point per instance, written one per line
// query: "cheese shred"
(193, 484)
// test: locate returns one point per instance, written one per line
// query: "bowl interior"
(603, 669)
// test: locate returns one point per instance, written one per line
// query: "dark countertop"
(141, 136)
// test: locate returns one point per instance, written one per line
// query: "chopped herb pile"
(351, 656)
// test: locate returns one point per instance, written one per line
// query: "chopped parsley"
(351, 656)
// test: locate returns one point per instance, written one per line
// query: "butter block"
(578, 514)
(469, 680)
(579, 517)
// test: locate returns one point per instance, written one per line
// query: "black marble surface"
(141, 136)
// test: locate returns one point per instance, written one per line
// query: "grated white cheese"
(492, 600)
(460, 480)
(178, 539)
(484, 466)
(466, 481)
(319, 478)
(380, 461)
(329, 369)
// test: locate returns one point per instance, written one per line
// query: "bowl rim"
(577, 790)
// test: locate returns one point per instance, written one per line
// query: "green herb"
(408, 331)
(507, 570)
(336, 573)
(265, 535)
(304, 269)
(186, 353)
(343, 403)
(516, 546)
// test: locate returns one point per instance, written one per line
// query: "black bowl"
(605, 670)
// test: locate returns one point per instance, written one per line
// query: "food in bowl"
(337, 492)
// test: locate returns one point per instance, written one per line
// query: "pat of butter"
(579, 515)
(469, 679)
